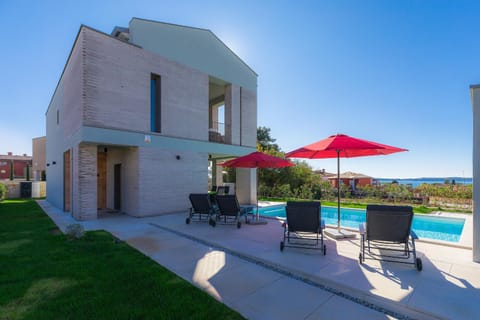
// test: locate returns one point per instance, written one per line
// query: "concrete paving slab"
(447, 299)
(334, 308)
(242, 280)
(285, 298)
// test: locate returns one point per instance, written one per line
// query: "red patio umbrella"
(257, 160)
(342, 146)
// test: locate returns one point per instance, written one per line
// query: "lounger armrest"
(322, 224)
(413, 235)
(361, 228)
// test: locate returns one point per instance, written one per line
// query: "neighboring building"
(20, 164)
(38, 158)
(138, 116)
(351, 179)
(475, 96)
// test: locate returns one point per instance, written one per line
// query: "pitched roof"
(350, 175)
(198, 48)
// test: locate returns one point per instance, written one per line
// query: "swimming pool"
(436, 228)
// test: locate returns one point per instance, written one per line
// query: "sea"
(415, 182)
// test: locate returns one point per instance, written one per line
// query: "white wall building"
(475, 95)
(137, 116)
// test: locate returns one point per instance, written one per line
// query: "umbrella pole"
(256, 173)
(338, 189)
(257, 215)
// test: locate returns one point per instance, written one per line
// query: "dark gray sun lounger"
(229, 211)
(388, 230)
(201, 210)
(303, 227)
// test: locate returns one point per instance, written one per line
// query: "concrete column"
(219, 175)
(246, 186)
(475, 95)
(232, 114)
(84, 182)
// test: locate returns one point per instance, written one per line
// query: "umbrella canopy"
(257, 160)
(342, 146)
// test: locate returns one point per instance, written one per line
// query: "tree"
(265, 143)
(12, 176)
(284, 182)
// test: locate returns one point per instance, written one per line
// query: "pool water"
(436, 228)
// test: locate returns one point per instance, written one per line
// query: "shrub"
(304, 192)
(3, 191)
(283, 191)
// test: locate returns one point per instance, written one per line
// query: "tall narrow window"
(58, 116)
(155, 103)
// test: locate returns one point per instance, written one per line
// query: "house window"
(58, 116)
(155, 103)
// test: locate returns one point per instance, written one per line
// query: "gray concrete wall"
(66, 102)
(165, 182)
(117, 89)
(475, 95)
(38, 157)
(249, 118)
(232, 114)
(54, 152)
(128, 158)
(84, 182)
(197, 48)
(246, 186)
(13, 189)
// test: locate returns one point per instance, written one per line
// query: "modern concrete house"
(475, 96)
(38, 157)
(138, 116)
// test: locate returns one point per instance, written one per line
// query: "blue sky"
(395, 72)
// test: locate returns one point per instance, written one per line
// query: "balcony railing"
(217, 132)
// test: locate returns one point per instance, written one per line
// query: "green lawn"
(44, 275)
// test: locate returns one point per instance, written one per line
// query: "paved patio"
(245, 269)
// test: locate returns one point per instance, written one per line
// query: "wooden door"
(66, 181)
(117, 186)
(101, 180)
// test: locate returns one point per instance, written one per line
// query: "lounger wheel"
(418, 264)
(324, 249)
(282, 245)
(239, 224)
(187, 221)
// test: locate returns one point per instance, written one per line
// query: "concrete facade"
(39, 163)
(100, 150)
(475, 96)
